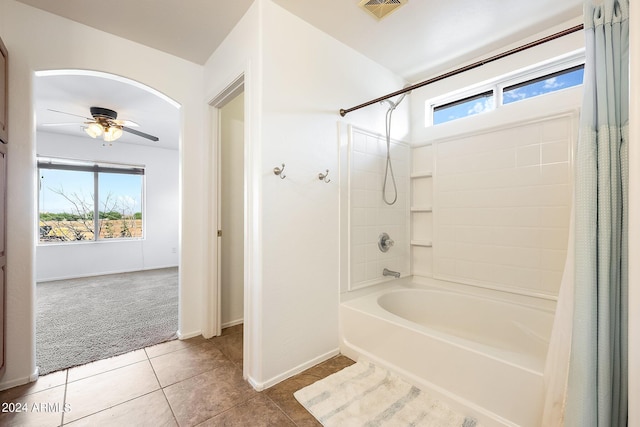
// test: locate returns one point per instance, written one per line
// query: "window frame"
(95, 167)
(500, 83)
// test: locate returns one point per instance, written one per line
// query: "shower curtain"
(597, 384)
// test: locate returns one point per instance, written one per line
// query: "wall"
(308, 76)
(29, 35)
(232, 211)
(296, 80)
(159, 247)
(239, 55)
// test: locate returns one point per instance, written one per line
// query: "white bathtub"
(484, 356)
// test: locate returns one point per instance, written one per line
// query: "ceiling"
(420, 39)
(75, 94)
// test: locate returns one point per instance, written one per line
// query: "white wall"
(232, 211)
(296, 80)
(308, 77)
(239, 55)
(158, 249)
(37, 40)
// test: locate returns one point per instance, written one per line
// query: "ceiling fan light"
(112, 133)
(94, 130)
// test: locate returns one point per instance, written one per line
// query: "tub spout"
(387, 272)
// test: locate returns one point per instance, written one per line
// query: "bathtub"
(483, 356)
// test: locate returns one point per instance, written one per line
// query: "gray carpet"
(82, 320)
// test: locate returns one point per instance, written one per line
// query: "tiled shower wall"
(501, 206)
(369, 215)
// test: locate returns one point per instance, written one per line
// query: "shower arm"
(344, 112)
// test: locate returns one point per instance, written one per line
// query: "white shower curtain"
(597, 385)
(557, 366)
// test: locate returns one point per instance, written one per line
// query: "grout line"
(115, 406)
(286, 414)
(173, 414)
(64, 398)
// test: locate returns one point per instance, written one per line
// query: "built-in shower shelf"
(422, 209)
(423, 243)
(421, 175)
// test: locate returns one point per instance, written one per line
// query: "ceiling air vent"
(381, 8)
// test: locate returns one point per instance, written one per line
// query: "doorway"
(231, 211)
(228, 314)
(108, 215)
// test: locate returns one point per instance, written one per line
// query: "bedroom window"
(81, 201)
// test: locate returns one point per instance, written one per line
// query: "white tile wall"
(422, 222)
(369, 215)
(502, 201)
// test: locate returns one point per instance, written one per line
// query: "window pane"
(463, 108)
(546, 84)
(120, 205)
(66, 205)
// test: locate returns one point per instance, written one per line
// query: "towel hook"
(278, 171)
(323, 177)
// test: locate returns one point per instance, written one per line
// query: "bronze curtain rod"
(477, 64)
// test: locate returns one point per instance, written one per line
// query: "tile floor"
(178, 383)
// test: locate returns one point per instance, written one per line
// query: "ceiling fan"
(104, 122)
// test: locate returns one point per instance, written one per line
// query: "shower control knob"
(385, 242)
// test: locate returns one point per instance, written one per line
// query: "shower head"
(393, 105)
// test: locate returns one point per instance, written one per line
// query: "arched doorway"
(108, 217)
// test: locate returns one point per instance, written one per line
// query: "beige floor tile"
(330, 366)
(102, 391)
(202, 397)
(236, 329)
(171, 346)
(43, 383)
(42, 409)
(231, 346)
(188, 362)
(282, 395)
(257, 412)
(150, 410)
(105, 365)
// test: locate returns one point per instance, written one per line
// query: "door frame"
(213, 318)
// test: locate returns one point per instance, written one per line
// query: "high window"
(81, 201)
(505, 90)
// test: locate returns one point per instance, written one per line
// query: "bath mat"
(364, 394)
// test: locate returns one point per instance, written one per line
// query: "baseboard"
(187, 335)
(20, 381)
(232, 323)
(259, 386)
(106, 273)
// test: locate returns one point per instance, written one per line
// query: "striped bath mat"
(366, 395)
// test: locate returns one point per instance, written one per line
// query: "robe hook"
(278, 171)
(323, 177)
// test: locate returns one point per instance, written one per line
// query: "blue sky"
(124, 189)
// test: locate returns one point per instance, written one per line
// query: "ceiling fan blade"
(70, 114)
(142, 134)
(61, 124)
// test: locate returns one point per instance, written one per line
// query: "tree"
(79, 224)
